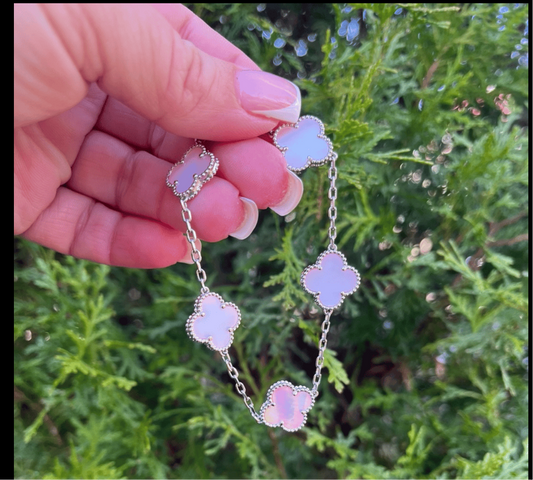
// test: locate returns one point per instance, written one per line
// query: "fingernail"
(266, 94)
(188, 256)
(251, 214)
(292, 196)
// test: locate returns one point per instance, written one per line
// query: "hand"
(106, 99)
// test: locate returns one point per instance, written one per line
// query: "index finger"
(190, 27)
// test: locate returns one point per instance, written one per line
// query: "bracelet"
(329, 280)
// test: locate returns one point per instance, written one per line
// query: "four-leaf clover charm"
(286, 406)
(213, 321)
(330, 279)
(303, 143)
(195, 168)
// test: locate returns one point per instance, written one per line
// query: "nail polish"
(292, 196)
(251, 215)
(266, 94)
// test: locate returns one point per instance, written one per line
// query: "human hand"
(106, 99)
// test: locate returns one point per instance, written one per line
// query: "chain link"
(321, 349)
(234, 373)
(196, 255)
(332, 195)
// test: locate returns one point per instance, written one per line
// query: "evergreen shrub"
(426, 374)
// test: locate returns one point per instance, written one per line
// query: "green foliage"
(289, 278)
(426, 369)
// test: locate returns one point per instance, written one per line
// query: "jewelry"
(330, 279)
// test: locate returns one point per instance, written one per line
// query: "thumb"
(136, 56)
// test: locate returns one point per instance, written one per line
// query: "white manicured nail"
(292, 196)
(251, 214)
(266, 94)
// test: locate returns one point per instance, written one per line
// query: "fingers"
(39, 169)
(259, 171)
(254, 166)
(136, 56)
(76, 225)
(122, 122)
(131, 181)
(113, 173)
(192, 28)
(43, 155)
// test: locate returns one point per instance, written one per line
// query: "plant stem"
(246, 371)
(277, 455)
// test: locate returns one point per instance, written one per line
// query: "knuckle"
(193, 84)
(125, 177)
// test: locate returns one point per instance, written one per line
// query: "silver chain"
(332, 195)
(196, 255)
(321, 349)
(332, 234)
(234, 373)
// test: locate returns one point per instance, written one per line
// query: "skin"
(106, 99)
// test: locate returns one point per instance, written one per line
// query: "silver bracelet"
(330, 279)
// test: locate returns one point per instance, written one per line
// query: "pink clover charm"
(196, 167)
(330, 279)
(286, 406)
(213, 321)
(303, 143)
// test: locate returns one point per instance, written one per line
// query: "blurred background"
(426, 372)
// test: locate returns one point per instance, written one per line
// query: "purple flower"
(213, 321)
(330, 279)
